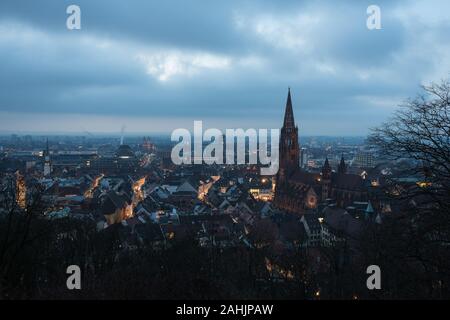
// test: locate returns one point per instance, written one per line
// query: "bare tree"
(420, 132)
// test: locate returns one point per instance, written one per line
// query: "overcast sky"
(153, 66)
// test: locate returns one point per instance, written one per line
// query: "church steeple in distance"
(46, 152)
(47, 161)
(342, 168)
(326, 170)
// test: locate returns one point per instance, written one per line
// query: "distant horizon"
(56, 124)
(94, 135)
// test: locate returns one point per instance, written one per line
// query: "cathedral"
(298, 190)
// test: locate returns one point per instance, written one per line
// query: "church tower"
(289, 149)
(289, 157)
(342, 168)
(326, 180)
(47, 161)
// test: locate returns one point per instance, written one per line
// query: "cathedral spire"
(289, 148)
(289, 114)
(342, 168)
(326, 169)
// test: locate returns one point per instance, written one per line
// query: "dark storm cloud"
(200, 23)
(219, 59)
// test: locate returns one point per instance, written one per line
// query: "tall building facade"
(364, 159)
